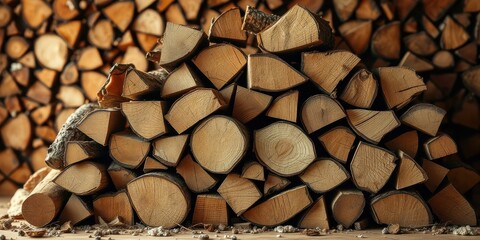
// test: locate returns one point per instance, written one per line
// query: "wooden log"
(191, 8)
(211, 62)
(468, 52)
(279, 153)
(71, 32)
(167, 207)
(101, 35)
(410, 211)
(367, 10)
(386, 41)
(240, 193)
(319, 32)
(253, 170)
(468, 79)
(274, 184)
(9, 163)
(89, 58)
(16, 47)
(6, 14)
(284, 107)
(322, 67)
(51, 51)
(450, 206)
(77, 151)
(197, 179)
(28, 60)
(35, 12)
(400, 85)
(378, 162)
(151, 164)
(45, 201)
(120, 176)
(120, 13)
(70, 74)
(174, 14)
(84, 178)
(63, 10)
(169, 150)
(372, 125)
(248, 104)
(256, 21)
(180, 81)
(406, 142)
(110, 206)
(39, 92)
(324, 175)
(435, 173)
(424, 117)
(91, 82)
(8, 86)
(409, 172)
(314, 111)
(453, 34)
(420, 44)
(357, 34)
(127, 149)
(283, 206)
(112, 120)
(149, 22)
(338, 142)
(443, 59)
(436, 9)
(110, 95)
(416, 63)
(463, 178)
(17, 132)
(71, 96)
(136, 57)
(193, 107)
(316, 216)
(344, 9)
(361, 90)
(205, 203)
(440, 146)
(145, 118)
(228, 27)
(75, 211)
(269, 73)
(347, 206)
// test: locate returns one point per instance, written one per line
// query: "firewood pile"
(296, 133)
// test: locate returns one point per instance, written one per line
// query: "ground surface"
(366, 234)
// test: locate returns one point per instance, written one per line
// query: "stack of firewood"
(296, 134)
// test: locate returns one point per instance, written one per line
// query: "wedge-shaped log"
(120, 176)
(322, 67)
(127, 149)
(324, 175)
(248, 104)
(406, 142)
(17, 132)
(75, 211)
(315, 216)
(319, 111)
(285, 107)
(453, 34)
(357, 34)
(197, 179)
(219, 143)
(77, 151)
(253, 170)
(210, 209)
(101, 123)
(400, 85)
(377, 162)
(169, 150)
(280, 152)
(138, 84)
(84, 178)
(274, 184)
(386, 41)
(463, 178)
(439, 147)
(361, 90)
(228, 28)
(120, 13)
(220, 63)
(307, 29)
(372, 125)
(180, 81)
(240, 193)
(193, 107)
(410, 209)
(338, 142)
(347, 206)
(112, 205)
(51, 51)
(409, 172)
(269, 73)
(424, 117)
(450, 206)
(280, 208)
(435, 173)
(152, 164)
(146, 118)
(416, 63)
(159, 199)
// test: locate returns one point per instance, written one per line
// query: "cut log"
(210, 209)
(77, 151)
(8, 86)
(347, 206)
(71, 96)
(284, 107)
(400, 85)
(248, 104)
(110, 206)
(9, 162)
(283, 206)
(197, 179)
(145, 118)
(169, 150)
(367, 10)
(84, 178)
(377, 162)
(136, 57)
(338, 142)
(311, 30)
(51, 51)
(63, 10)
(463, 178)
(450, 206)
(436, 9)
(22, 76)
(41, 114)
(89, 59)
(315, 216)
(443, 59)
(92, 82)
(344, 9)
(17, 132)
(357, 35)
(190, 8)
(16, 47)
(256, 21)
(39, 92)
(70, 74)
(409, 172)
(45, 201)
(179, 82)
(174, 14)
(453, 34)
(406, 142)
(269, 73)
(228, 27)
(193, 107)
(165, 208)
(6, 15)
(324, 175)
(75, 211)
(420, 44)
(416, 63)
(429, 27)
(467, 52)
(35, 12)
(149, 22)
(111, 121)
(435, 173)
(220, 63)
(147, 42)
(253, 170)
(372, 125)
(361, 90)
(71, 32)
(319, 111)
(322, 67)
(101, 35)
(151, 164)
(407, 209)
(240, 193)
(127, 149)
(68, 132)
(470, 81)
(440, 146)
(279, 152)
(120, 13)
(424, 117)
(29, 61)
(274, 184)
(386, 41)
(120, 176)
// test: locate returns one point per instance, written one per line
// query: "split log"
(453, 34)
(136, 57)
(420, 44)
(17, 132)
(108, 207)
(248, 104)
(361, 90)
(253, 170)
(283, 206)
(146, 118)
(71, 96)
(197, 179)
(463, 178)
(137, 84)
(63, 10)
(169, 150)
(120, 176)
(274, 184)
(92, 82)
(228, 27)
(338, 142)
(469, 80)
(409, 172)
(378, 162)
(84, 178)
(344, 9)
(450, 206)
(316, 216)
(75, 211)
(6, 14)
(191, 8)
(149, 22)
(127, 149)
(424, 117)
(35, 12)
(110, 95)
(400, 85)
(8, 86)
(347, 206)
(357, 35)
(51, 51)
(45, 201)
(468, 52)
(111, 119)
(315, 109)
(89, 58)
(440, 146)
(386, 41)
(435, 173)
(151, 164)
(256, 21)
(180, 81)
(71, 31)
(284, 107)
(443, 59)
(9, 163)
(101, 34)
(39, 92)
(240, 193)
(77, 151)
(41, 114)
(210, 209)
(120, 13)
(410, 209)
(324, 175)
(279, 152)
(166, 208)
(372, 125)
(16, 46)
(406, 142)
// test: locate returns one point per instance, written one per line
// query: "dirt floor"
(367, 234)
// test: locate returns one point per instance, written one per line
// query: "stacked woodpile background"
(296, 134)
